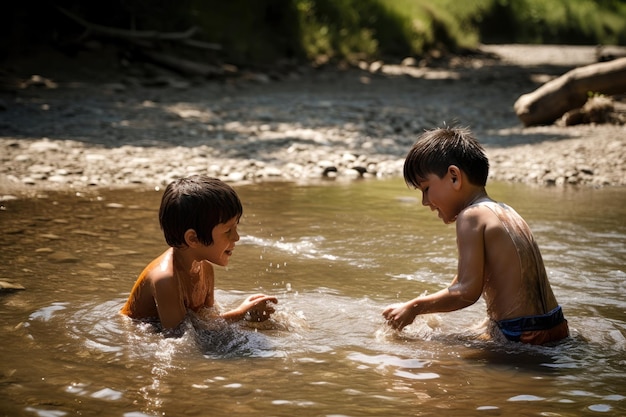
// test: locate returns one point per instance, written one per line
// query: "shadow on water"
(335, 256)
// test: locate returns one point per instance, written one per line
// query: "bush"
(254, 32)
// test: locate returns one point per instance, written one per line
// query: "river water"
(335, 255)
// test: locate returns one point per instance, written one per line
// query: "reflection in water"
(335, 256)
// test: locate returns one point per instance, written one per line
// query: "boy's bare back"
(515, 281)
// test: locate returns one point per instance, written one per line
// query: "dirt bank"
(86, 123)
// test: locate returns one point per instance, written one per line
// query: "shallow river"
(335, 255)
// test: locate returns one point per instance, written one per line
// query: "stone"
(6, 286)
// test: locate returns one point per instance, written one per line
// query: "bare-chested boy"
(498, 256)
(199, 217)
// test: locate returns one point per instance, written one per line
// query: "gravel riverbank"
(73, 130)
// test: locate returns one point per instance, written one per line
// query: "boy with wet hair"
(498, 257)
(199, 217)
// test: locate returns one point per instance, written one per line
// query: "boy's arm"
(167, 298)
(452, 298)
(259, 306)
(471, 245)
(466, 287)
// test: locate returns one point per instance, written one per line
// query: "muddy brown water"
(335, 255)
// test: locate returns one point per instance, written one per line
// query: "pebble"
(50, 236)
(6, 286)
(63, 257)
(44, 250)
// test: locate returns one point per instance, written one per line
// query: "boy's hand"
(258, 307)
(399, 316)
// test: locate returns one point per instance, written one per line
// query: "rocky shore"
(73, 130)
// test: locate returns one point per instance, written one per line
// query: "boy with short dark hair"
(199, 217)
(498, 256)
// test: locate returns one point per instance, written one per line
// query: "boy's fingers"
(257, 296)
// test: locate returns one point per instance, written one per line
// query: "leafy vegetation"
(371, 29)
(264, 31)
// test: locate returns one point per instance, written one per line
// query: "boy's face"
(224, 237)
(438, 194)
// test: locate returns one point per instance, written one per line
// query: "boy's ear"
(191, 238)
(455, 176)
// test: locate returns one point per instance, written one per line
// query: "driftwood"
(146, 45)
(183, 66)
(145, 35)
(129, 34)
(571, 91)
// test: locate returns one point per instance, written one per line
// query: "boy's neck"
(184, 259)
(477, 194)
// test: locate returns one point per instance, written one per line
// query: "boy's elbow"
(172, 327)
(466, 302)
(467, 298)
(175, 333)
(471, 297)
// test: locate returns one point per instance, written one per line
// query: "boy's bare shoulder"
(161, 269)
(158, 275)
(478, 218)
(475, 213)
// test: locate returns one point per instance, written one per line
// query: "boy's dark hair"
(439, 148)
(196, 202)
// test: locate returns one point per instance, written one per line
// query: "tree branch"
(134, 34)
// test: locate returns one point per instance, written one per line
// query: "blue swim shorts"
(539, 329)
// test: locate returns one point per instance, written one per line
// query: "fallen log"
(135, 35)
(129, 34)
(145, 44)
(570, 91)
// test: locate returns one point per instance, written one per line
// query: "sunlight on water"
(307, 247)
(335, 256)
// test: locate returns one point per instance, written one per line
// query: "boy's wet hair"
(196, 202)
(439, 148)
